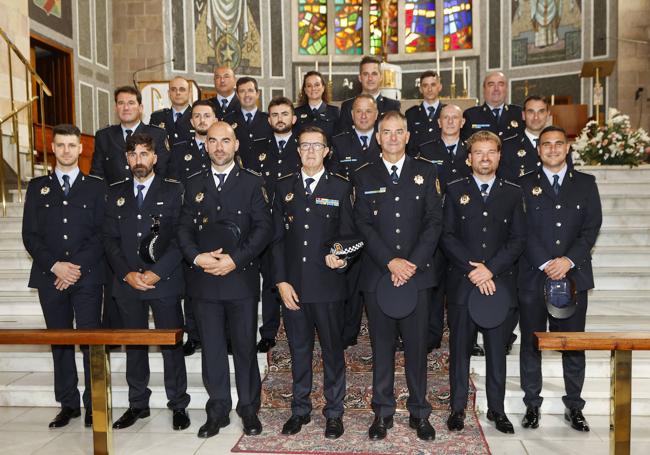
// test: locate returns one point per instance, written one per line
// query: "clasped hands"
(216, 262)
(66, 274)
(557, 268)
(481, 277)
(142, 281)
(401, 270)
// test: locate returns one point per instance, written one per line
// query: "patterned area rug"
(276, 403)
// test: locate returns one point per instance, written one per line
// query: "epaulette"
(421, 158)
(511, 183)
(156, 126)
(285, 176)
(202, 171)
(462, 179)
(342, 133)
(250, 171)
(118, 182)
(340, 176)
(361, 167)
(96, 177)
(260, 139)
(529, 172)
(509, 137)
(179, 143)
(163, 110)
(40, 177)
(432, 141)
(171, 180)
(101, 129)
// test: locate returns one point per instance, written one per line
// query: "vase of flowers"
(616, 142)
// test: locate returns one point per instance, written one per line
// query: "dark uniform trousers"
(398, 220)
(67, 228)
(233, 298)
(566, 224)
(303, 225)
(492, 232)
(125, 226)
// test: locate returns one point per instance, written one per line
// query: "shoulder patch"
(96, 177)
(462, 179)
(171, 180)
(284, 176)
(361, 167)
(250, 171)
(118, 182)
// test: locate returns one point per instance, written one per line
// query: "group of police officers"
(447, 204)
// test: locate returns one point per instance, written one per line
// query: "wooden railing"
(621, 345)
(100, 366)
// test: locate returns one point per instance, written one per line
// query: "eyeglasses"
(315, 146)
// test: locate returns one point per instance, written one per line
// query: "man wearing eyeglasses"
(175, 120)
(311, 208)
(564, 216)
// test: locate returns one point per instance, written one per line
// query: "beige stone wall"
(138, 40)
(633, 63)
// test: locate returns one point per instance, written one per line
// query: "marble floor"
(24, 431)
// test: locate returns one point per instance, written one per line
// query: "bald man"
(226, 100)
(175, 120)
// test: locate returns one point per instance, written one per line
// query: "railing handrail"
(92, 336)
(24, 105)
(593, 341)
(25, 62)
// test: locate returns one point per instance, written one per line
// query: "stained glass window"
(457, 24)
(420, 30)
(348, 26)
(312, 27)
(375, 29)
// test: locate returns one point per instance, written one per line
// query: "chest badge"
(45, 190)
(521, 153)
(536, 191)
(198, 197)
(303, 115)
(188, 157)
(120, 202)
(234, 125)
(161, 125)
(262, 157)
(514, 124)
(418, 179)
(288, 197)
(464, 199)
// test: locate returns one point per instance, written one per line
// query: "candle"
(464, 76)
(552, 100)
(330, 68)
(316, 65)
(453, 69)
(299, 83)
(438, 63)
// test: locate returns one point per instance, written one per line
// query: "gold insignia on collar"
(521, 153)
(536, 191)
(188, 157)
(161, 125)
(418, 179)
(205, 220)
(198, 197)
(514, 124)
(437, 185)
(464, 199)
(45, 190)
(234, 125)
(288, 197)
(166, 143)
(265, 195)
(262, 157)
(120, 202)
(468, 162)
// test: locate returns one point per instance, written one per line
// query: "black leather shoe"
(295, 423)
(190, 347)
(265, 344)
(88, 418)
(501, 420)
(334, 428)
(456, 421)
(180, 419)
(477, 351)
(379, 427)
(211, 427)
(512, 340)
(578, 421)
(531, 419)
(130, 417)
(252, 425)
(424, 429)
(64, 416)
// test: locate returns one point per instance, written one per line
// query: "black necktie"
(308, 182)
(178, 117)
(484, 193)
(221, 178)
(497, 113)
(224, 103)
(281, 144)
(450, 149)
(314, 112)
(249, 118)
(364, 142)
(536, 142)
(66, 184)
(556, 184)
(432, 111)
(139, 198)
(128, 134)
(393, 175)
(202, 149)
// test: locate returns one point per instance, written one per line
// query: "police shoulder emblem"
(288, 197)
(120, 202)
(188, 157)
(514, 124)
(464, 199)
(262, 156)
(536, 191)
(521, 153)
(45, 190)
(198, 197)
(418, 179)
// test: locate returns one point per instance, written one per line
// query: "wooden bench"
(621, 345)
(100, 365)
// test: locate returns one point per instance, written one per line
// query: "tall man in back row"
(564, 216)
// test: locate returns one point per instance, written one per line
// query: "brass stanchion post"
(621, 403)
(100, 384)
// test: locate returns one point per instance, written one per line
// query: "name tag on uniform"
(380, 190)
(325, 201)
(348, 159)
(159, 203)
(437, 161)
(480, 125)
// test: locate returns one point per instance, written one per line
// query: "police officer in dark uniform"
(226, 100)
(248, 121)
(370, 77)
(484, 234)
(311, 208)
(225, 284)
(132, 208)
(176, 119)
(494, 114)
(564, 216)
(399, 214)
(62, 221)
(423, 118)
(358, 145)
(313, 106)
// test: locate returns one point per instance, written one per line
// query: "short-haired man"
(62, 225)
(134, 208)
(311, 208)
(399, 214)
(494, 114)
(175, 120)
(370, 77)
(483, 236)
(564, 216)
(423, 118)
(226, 100)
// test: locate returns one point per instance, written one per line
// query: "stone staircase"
(619, 303)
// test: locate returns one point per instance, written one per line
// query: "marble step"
(15, 259)
(596, 392)
(14, 280)
(624, 236)
(617, 173)
(626, 217)
(622, 278)
(620, 256)
(636, 186)
(623, 200)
